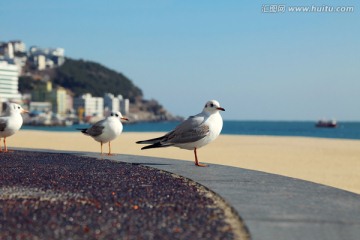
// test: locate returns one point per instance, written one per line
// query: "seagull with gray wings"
(11, 122)
(195, 132)
(106, 130)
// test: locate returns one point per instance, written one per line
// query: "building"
(124, 106)
(43, 58)
(39, 62)
(42, 92)
(18, 46)
(69, 101)
(89, 105)
(14, 51)
(59, 101)
(9, 82)
(6, 50)
(58, 52)
(116, 104)
(111, 103)
(59, 97)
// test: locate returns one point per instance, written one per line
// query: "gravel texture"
(63, 196)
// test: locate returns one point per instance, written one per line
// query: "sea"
(344, 130)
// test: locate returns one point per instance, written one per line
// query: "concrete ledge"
(272, 206)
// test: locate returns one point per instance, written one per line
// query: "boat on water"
(326, 124)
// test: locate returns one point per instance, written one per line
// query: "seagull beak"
(220, 108)
(124, 118)
(24, 111)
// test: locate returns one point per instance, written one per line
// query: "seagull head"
(213, 106)
(15, 108)
(118, 115)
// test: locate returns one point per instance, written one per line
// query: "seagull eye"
(116, 115)
(18, 107)
(111, 114)
(211, 105)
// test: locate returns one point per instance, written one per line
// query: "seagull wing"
(3, 124)
(96, 129)
(191, 130)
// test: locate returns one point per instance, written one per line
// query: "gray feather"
(188, 135)
(96, 129)
(3, 124)
(191, 130)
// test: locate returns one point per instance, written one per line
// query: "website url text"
(281, 8)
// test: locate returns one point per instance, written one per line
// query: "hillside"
(84, 77)
(90, 77)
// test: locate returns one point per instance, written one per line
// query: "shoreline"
(345, 130)
(332, 162)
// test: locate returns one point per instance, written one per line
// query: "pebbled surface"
(63, 196)
(272, 206)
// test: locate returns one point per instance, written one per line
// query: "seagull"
(11, 122)
(106, 130)
(195, 132)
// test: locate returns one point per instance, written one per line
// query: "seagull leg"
(109, 150)
(101, 148)
(196, 160)
(0, 146)
(5, 147)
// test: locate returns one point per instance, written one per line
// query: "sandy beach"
(330, 162)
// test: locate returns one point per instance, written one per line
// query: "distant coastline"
(58, 90)
(345, 130)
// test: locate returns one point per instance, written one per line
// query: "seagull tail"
(150, 141)
(83, 130)
(155, 145)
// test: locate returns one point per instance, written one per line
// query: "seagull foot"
(8, 151)
(201, 165)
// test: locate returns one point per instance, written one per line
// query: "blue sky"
(260, 66)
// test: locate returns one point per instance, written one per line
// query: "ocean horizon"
(344, 130)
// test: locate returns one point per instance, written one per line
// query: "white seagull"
(11, 122)
(106, 130)
(195, 132)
